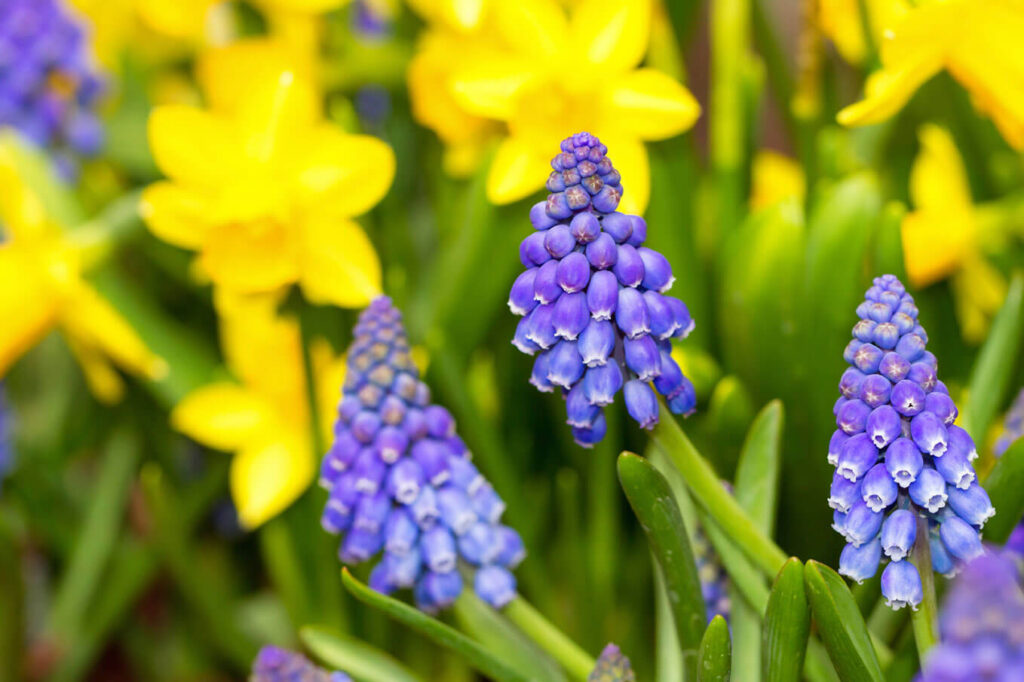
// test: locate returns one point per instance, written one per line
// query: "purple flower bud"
(359, 545)
(436, 591)
(641, 403)
(886, 335)
(942, 562)
(879, 490)
(684, 401)
(663, 319)
(545, 284)
(639, 235)
(487, 504)
(495, 585)
(929, 490)
(907, 398)
(618, 226)
(511, 550)
(911, 347)
(929, 433)
(867, 358)
(880, 312)
(392, 410)
(851, 350)
(565, 366)
(844, 493)
(559, 241)
(862, 523)
(479, 545)
(670, 378)
(942, 406)
(521, 299)
(365, 425)
(960, 538)
(432, 455)
(972, 504)
(401, 570)
(539, 376)
(923, 375)
(903, 461)
(600, 384)
(390, 443)
(400, 533)
(629, 267)
(657, 271)
(904, 323)
(464, 474)
(347, 409)
(894, 367)
(405, 479)
(519, 339)
(371, 512)
(839, 522)
(602, 295)
(684, 323)
(368, 471)
(540, 328)
(642, 357)
(851, 383)
(602, 253)
(864, 331)
(539, 217)
(875, 390)
(573, 272)
(579, 410)
(607, 200)
(835, 444)
(898, 534)
(335, 519)
(631, 314)
(596, 343)
(424, 508)
(901, 585)
(955, 469)
(860, 562)
(853, 416)
(532, 251)
(571, 315)
(960, 441)
(856, 456)
(586, 437)
(456, 509)
(883, 426)
(439, 551)
(585, 227)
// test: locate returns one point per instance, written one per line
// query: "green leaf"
(715, 653)
(841, 625)
(993, 369)
(757, 474)
(1004, 485)
(360, 660)
(787, 626)
(655, 507)
(470, 651)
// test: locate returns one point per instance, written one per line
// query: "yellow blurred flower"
(263, 416)
(42, 287)
(943, 238)
(977, 41)
(262, 187)
(536, 73)
(841, 21)
(775, 177)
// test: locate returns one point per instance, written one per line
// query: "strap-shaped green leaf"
(840, 625)
(1004, 485)
(655, 507)
(355, 657)
(757, 474)
(470, 651)
(715, 653)
(787, 625)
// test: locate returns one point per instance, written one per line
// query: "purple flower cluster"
(401, 480)
(274, 664)
(49, 87)
(592, 299)
(899, 457)
(612, 666)
(982, 625)
(714, 581)
(1013, 428)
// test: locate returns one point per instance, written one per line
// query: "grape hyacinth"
(1013, 428)
(902, 465)
(612, 666)
(592, 299)
(274, 664)
(402, 484)
(981, 625)
(49, 85)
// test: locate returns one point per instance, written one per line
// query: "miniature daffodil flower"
(775, 177)
(263, 415)
(537, 72)
(262, 187)
(42, 288)
(842, 22)
(941, 237)
(976, 41)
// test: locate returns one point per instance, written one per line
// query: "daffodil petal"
(344, 175)
(175, 214)
(23, 216)
(651, 105)
(934, 245)
(537, 28)
(256, 256)
(610, 33)
(629, 156)
(102, 379)
(226, 74)
(887, 91)
(490, 86)
(193, 146)
(340, 265)
(518, 170)
(938, 178)
(304, 6)
(266, 478)
(184, 19)
(28, 306)
(775, 178)
(222, 415)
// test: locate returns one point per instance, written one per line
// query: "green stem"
(924, 619)
(575, 660)
(708, 491)
(868, 33)
(97, 238)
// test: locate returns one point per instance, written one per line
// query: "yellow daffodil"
(942, 237)
(976, 41)
(775, 177)
(42, 288)
(842, 22)
(263, 416)
(540, 73)
(262, 187)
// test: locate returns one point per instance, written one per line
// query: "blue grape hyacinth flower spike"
(274, 664)
(402, 484)
(902, 467)
(592, 299)
(612, 666)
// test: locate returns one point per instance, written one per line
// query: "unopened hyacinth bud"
(902, 466)
(402, 483)
(50, 87)
(274, 664)
(612, 666)
(981, 624)
(592, 299)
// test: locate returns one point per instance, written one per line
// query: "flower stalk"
(925, 618)
(552, 640)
